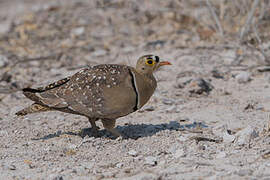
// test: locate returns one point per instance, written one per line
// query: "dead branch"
(246, 27)
(53, 56)
(213, 13)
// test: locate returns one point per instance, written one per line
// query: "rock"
(119, 165)
(245, 135)
(179, 153)
(244, 172)
(227, 138)
(229, 56)
(150, 160)
(56, 177)
(133, 153)
(142, 176)
(128, 49)
(167, 101)
(147, 108)
(221, 154)
(199, 86)
(183, 81)
(243, 77)
(100, 52)
(77, 31)
(88, 165)
(11, 167)
(183, 138)
(3, 61)
(5, 26)
(216, 74)
(172, 109)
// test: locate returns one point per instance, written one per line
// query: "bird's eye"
(149, 62)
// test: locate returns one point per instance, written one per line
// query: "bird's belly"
(119, 102)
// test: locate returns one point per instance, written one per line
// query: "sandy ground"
(208, 119)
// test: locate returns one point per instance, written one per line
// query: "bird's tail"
(32, 109)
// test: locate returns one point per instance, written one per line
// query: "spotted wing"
(98, 91)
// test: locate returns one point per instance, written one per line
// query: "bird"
(102, 92)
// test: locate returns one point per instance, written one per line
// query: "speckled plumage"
(105, 92)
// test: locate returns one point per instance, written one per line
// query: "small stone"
(221, 154)
(3, 61)
(12, 167)
(182, 82)
(147, 108)
(245, 135)
(229, 56)
(100, 52)
(183, 119)
(119, 165)
(183, 138)
(200, 86)
(244, 172)
(133, 153)
(56, 177)
(128, 49)
(150, 160)
(78, 31)
(227, 138)
(179, 153)
(88, 165)
(172, 109)
(243, 77)
(216, 74)
(5, 26)
(167, 101)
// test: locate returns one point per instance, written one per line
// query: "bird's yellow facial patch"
(150, 61)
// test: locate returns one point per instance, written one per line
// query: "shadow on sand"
(132, 131)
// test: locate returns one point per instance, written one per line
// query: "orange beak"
(162, 63)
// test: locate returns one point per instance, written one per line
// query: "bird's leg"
(93, 126)
(109, 125)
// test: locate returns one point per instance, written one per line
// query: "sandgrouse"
(106, 92)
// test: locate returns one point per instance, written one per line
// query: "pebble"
(100, 52)
(3, 61)
(172, 109)
(227, 138)
(179, 153)
(200, 86)
(147, 108)
(150, 160)
(182, 82)
(245, 135)
(78, 31)
(216, 74)
(243, 77)
(119, 165)
(143, 176)
(5, 26)
(56, 177)
(133, 153)
(128, 49)
(11, 167)
(244, 172)
(3, 133)
(229, 56)
(221, 154)
(167, 101)
(183, 138)
(88, 165)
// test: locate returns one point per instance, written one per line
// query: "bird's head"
(147, 64)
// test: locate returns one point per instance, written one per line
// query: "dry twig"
(213, 13)
(246, 27)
